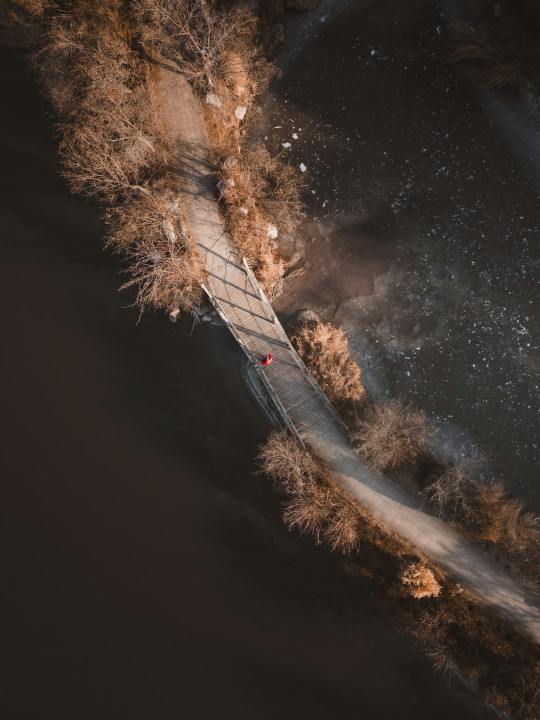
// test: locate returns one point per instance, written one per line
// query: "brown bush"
(420, 581)
(325, 350)
(206, 44)
(166, 279)
(260, 189)
(393, 435)
(100, 167)
(480, 508)
(148, 231)
(154, 216)
(316, 504)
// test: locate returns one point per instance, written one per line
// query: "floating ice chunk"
(303, 168)
(373, 52)
(295, 136)
(286, 145)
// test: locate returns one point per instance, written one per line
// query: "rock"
(240, 112)
(212, 99)
(308, 315)
(303, 168)
(244, 210)
(230, 162)
(271, 231)
(173, 315)
(222, 186)
(169, 231)
(239, 90)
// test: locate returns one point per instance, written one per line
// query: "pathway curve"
(302, 404)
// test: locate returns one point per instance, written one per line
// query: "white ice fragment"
(295, 136)
(286, 145)
(303, 168)
(373, 52)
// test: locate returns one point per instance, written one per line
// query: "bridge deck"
(179, 115)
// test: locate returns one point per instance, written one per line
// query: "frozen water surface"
(421, 236)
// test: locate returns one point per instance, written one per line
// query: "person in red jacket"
(267, 359)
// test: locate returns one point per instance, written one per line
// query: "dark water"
(422, 228)
(145, 571)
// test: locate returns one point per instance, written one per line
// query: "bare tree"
(167, 279)
(193, 34)
(154, 216)
(103, 167)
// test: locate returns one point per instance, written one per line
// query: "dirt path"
(181, 120)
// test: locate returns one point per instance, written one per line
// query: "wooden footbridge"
(302, 405)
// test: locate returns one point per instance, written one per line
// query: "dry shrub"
(481, 508)
(325, 350)
(504, 664)
(420, 581)
(392, 435)
(148, 231)
(260, 189)
(96, 84)
(283, 460)
(317, 505)
(101, 167)
(154, 217)
(166, 279)
(208, 45)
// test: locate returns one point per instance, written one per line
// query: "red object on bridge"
(267, 359)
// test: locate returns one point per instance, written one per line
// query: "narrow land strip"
(180, 118)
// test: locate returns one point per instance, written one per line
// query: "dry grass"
(317, 505)
(481, 508)
(393, 435)
(420, 581)
(325, 350)
(261, 195)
